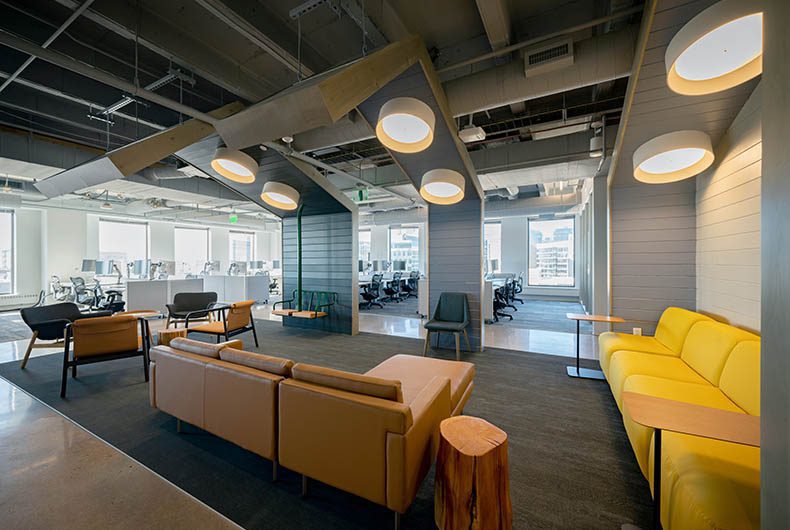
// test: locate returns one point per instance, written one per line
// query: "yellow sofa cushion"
(610, 342)
(674, 325)
(707, 484)
(709, 344)
(740, 379)
(627, 363)
(641, 437)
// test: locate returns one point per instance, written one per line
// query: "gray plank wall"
(455, 249)
(328, 256)
(728, 223)
(653, 229)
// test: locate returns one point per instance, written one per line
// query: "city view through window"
(405, 246)
(551, 259)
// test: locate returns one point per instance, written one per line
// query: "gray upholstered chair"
(451, 316)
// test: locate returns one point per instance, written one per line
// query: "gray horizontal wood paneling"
(455, 243)
(328, 258)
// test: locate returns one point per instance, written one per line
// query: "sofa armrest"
(409, 456)
(236, 344)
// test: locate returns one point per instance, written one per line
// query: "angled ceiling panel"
(315, 191)
(91, 173)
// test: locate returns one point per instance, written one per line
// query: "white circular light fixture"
(235, 165)
(718, 49)
(280, 196)
(596, 147)
(405, 125)
(671, 157)
(442, 186)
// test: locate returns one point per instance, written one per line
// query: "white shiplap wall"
(728, 223)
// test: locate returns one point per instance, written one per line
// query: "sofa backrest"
(708, 345)
(740, 379)
(202, 348)
(259, 361)
(350, 382)
(674, 325)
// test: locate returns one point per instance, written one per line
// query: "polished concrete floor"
(55, 474)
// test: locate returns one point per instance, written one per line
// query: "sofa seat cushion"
(415, 373)
(627, 363)
(216, 328)
(640, 436)
(709, 483)
(443, 325)
(610, 342)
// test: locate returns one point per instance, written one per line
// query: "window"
(492, 249)
(123, 242)
(364, 245)
(405, 246)
(551, 262)
(6, 252)
(191, 250)
(242, 246)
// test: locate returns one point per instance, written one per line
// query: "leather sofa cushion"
(415, 373)
(740, 379)
(674, 326)
(640, 436)
(629, 363)
(267, 363)
(709, 344)
(359, 384)
(202, 348)
(610, 342)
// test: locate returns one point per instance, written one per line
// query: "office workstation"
(438, 264)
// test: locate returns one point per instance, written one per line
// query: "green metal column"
(299, 258)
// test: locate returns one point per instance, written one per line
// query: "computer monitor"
(275, 264)
(376, 265)
(255, 265)
(140, 267)
(399, 265)
(494, 264)
(361, 266)
(103, 267)
(89, 265)
(241, 267)
(168, 267)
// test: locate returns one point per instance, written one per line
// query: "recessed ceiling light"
(405, 125)
(671, 157)
(280, 195)
(442, 186)
(718, 49)
(235, 165)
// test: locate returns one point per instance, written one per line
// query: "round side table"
(472, 479)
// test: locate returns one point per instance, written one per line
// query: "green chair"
(451, 316)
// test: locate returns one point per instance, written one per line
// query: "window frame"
(252, 249)
(120, 221)
(13, 264)
(416, 265)
(488, 257)
(573, 249)
(196, 228)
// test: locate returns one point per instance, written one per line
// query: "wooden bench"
(315, 304)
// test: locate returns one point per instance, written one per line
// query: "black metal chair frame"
(222, 311)
(73, 363)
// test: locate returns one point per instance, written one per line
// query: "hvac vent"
(547, 57)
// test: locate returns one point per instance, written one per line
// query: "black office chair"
(372, 293)
(82, 295)
(393, 290)
(451, 316)
(109, 300)
(500, 304)
(198, 306)
(509, 294)
(49, 323)
(410, 287)
(518, 288)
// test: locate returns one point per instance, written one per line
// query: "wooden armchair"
(94, 340)
(230, 320)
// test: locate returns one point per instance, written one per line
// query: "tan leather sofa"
(373, 435)
(223, 390)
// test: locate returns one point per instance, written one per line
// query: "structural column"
(600, 250)
(455, 260)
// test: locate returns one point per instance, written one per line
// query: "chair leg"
(64, 378)
(274, 470)
(167, 326)
(254, 332)
(218, 337)
(29, 349)
(73, 371)
(397, 521)
(304, 486)
(468, 344)
(457, 346)
(178, 425)
(427, 342)
(145, 366)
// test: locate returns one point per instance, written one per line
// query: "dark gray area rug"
(12, 327)
(547, 315)
(571, 465)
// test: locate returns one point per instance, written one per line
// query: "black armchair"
(49, 323)
(451, 316)
(372, 292)
(393, 290)
(198, 306)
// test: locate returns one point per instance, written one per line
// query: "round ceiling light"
(235, 165)
(718, 49)
(442, 186)
(672, 157)
(280, 196)
(405, 125)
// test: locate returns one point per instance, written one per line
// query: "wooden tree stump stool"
(166, 335)
(472, 479)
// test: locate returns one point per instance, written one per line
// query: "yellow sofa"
(693, 359)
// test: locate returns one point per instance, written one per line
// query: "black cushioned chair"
(410, 287)
(197, 305)
(372, 293)
(451, 316)
(49, 322)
